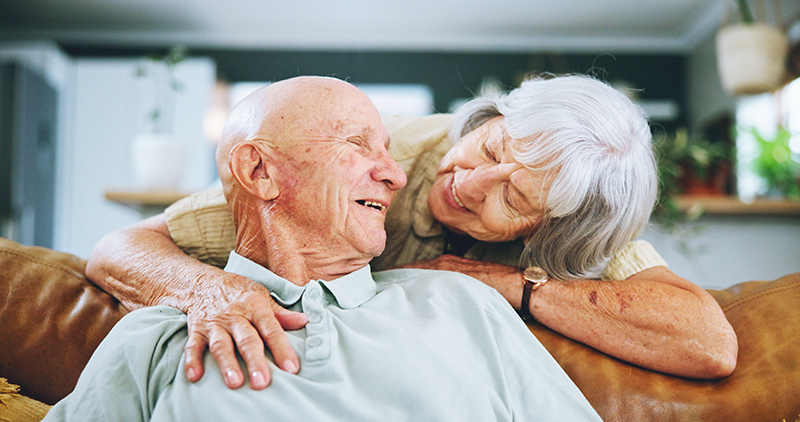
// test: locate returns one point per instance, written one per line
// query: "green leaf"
(744, 11)
(775, 164)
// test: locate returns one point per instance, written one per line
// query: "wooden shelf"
(147, 203)
(144, 198)
(731, 205)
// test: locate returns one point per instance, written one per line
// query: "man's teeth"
(455, 195)
(376, 205)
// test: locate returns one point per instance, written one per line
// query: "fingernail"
(257, 380)
(190, 374)
(289, 366)
(232, 377)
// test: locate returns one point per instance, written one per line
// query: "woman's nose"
(479, 182)
(476, 184)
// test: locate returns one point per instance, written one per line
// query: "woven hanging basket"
(751, 58)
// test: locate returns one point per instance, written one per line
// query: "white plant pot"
(751, 58)
(158, 161)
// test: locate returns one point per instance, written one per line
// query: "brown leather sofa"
(52, 318)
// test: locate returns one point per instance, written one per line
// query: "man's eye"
(356, 142)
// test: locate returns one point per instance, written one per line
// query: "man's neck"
(294, 255)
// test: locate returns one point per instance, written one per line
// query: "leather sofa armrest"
(764, 387)
(52, 319)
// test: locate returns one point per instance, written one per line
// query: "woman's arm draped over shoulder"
(654, 319)
(141, 266)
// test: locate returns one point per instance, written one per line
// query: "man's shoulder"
(152, 322)
(437, 283)
(404, 275)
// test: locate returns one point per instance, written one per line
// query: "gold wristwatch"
(534, 278)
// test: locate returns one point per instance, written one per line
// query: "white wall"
(733, 249)
(107, 113)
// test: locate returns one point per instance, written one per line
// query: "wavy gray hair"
(596, 144)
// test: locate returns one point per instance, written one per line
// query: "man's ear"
(251, 167)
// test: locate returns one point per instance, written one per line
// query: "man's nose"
(388, 171)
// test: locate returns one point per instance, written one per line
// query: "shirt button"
(314, 342)
(315, 318)
(313, 294)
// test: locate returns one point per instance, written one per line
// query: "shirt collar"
(350, 291)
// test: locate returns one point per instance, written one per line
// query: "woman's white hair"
(597, 145)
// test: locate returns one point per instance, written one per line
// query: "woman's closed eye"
(508, 206)
(489, 153)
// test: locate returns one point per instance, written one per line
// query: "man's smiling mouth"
(378, 206)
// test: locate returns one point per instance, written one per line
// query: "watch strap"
(525, 309)
(534, 278)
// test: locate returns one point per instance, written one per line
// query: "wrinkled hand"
(243, 312)
(507, 280)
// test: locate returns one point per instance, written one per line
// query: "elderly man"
(306, 172)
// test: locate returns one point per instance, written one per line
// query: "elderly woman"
(558, 174)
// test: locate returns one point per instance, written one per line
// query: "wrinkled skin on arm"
(654, 319)
(141, 266)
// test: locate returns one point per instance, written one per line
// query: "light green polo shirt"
(406, 345)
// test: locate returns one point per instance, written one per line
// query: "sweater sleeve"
(202, 226)
(635, 257)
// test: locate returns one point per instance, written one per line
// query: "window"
(765, 113)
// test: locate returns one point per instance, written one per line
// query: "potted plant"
(751, 56)
(157, 154)
(688, 166)
(778, 164)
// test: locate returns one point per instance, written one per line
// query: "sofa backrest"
(51, 319)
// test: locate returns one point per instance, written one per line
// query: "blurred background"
(110, 109)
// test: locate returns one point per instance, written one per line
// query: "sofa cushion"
(52, 319)
(764, 387)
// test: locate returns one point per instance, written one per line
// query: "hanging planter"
(751, 56)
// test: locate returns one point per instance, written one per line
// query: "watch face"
(535, 274)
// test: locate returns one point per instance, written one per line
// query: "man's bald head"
(276, 112)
